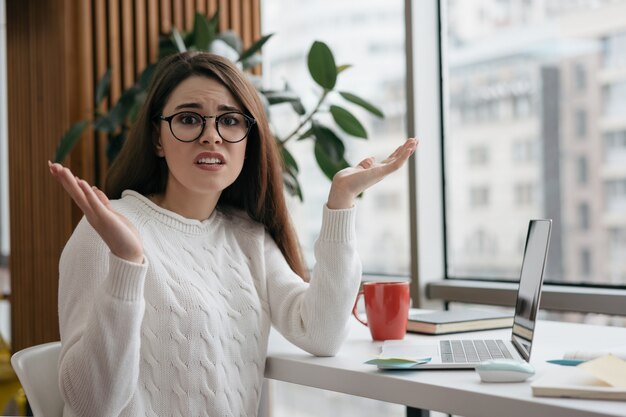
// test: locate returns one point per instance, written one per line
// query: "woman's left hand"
(350, 182)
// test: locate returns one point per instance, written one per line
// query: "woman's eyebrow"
(194, 105)
(188, 106)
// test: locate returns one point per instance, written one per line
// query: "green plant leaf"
(178, 41)
(255, 47)
(298, 107)
(251, 61)
(277, 97)
(292, 185)
(215, 19)
(322, 65)
(266, 104)
(167, 47)
(289, 160)
(360, 102)
(348, 122)
(102, 89)
(232, 39)
(329, 151)
(69, 139)
(136, 106)
(188, 40)
(290, 173)
(115, 117)
(146, 76)
(342, 68)
(305, 135)
(203, 32)
(114, 146)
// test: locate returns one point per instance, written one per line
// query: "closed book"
(574, 382)
(455, 321)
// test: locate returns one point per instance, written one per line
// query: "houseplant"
(329, 148)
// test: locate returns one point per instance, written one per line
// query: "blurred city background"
(534, 122)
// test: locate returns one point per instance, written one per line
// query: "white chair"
(36, 367)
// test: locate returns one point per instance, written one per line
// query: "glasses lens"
(187, 126)
(232, 127)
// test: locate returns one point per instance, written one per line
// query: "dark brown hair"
(259, 188)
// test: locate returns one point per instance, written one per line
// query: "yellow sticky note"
(609, 369)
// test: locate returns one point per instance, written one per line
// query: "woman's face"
(209, 164)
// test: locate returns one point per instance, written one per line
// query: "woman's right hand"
(117, 232)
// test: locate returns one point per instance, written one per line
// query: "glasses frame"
(249, 120)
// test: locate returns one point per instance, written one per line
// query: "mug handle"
(354, 312)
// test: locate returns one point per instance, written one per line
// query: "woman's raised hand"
(350, 182)
(117, 232)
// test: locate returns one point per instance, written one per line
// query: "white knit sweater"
(185, 333)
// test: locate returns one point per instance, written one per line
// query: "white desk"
(454, 392)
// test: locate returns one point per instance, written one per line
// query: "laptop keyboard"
(469, 351)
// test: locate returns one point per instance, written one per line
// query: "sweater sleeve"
(313, 316)
(101, 307)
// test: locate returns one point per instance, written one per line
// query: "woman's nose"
(210, 134)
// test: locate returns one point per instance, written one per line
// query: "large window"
(370, 36)
(529, 85)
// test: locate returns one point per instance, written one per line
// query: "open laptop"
(458, 353)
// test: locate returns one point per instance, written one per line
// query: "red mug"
(387, 309)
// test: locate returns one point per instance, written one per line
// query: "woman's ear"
(158, 149)
(156, 140)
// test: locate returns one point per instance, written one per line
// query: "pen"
(566, 362)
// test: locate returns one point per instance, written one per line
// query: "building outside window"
(478, 155)
(370, 35)
(492, 49)
(583, 216)
(615, 148)
(585, 262)
(615, 196)
(582, 170)
(614, 99)
(479, 196)
(613, 47)
(524, 194)
(580, 77)
(581, 123)
(524, 151)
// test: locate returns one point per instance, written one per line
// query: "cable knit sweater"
(185, 333)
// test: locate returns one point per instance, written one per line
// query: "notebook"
(456, 321)
(458, 353)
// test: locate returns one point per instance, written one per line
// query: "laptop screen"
(531, 279)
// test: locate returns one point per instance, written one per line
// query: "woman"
(167, 292)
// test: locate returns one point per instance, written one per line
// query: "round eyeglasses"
(187, 126)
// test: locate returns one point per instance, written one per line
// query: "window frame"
(425, 110)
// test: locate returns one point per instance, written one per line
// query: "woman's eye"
(188, 119)
(230, 120)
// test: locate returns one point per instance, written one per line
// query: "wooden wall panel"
(128, 47)
(153, 31)
(56, 52)
(141, 30)
(100, 64)
(46, 49)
